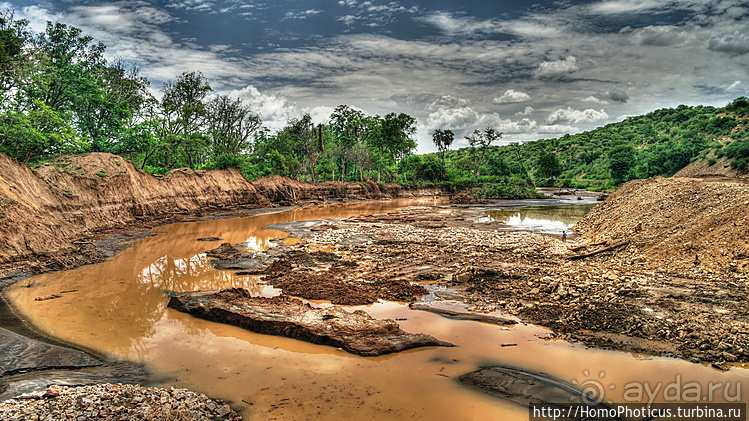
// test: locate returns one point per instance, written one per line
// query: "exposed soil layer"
(603, 290)
(355, 332)
(52, 217)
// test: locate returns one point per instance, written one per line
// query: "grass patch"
(101, 174)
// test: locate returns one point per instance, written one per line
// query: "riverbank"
(78, 209)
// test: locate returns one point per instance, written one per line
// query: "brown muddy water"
(118, 308)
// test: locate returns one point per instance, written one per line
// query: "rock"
(524, 388)
(209, 239)
(226, 251)
(355, 332)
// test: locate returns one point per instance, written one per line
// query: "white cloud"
(320, 114)
(573, 116)
(301, 14)
(661, 36)
(449, 23)
(616, 7)
(526, 112)
(735, 86)
(595, 100)
(556, 129)
(274, 110)
(347, 19)
(554, 69)
(512, 96)
(607, 97)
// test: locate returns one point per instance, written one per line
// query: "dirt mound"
(685, 225)
(47, 211)
(702, 168)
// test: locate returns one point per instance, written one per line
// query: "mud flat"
(355, 332)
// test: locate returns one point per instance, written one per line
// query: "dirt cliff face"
(44, 211)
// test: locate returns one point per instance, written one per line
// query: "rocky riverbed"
(606, 299)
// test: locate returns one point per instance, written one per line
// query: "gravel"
(115, 402)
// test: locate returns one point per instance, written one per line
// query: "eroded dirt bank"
(629, 283)
(49, 215)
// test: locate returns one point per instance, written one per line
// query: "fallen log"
(593, 253)
(357, 332)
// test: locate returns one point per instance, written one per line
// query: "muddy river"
(118, 309)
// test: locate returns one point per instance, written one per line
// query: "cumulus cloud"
(559, 68)
(274, 110)
(512, 96)
(570, 115)
(736, 43)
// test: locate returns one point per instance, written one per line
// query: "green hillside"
(658, 143)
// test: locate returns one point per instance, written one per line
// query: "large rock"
(538, 389)
(355, 332)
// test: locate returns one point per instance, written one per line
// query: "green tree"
(231, 125)
(37, 132)
(443, 139)
(621, 161)
(14, 37)
(347, 126)
(181, 120)
(548, 166)
(479, 143)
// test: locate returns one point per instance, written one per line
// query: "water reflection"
(545, 219)
(113, 307)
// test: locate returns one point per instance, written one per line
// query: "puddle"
(542, 219)
(119, 310)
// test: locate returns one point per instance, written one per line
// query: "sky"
(531, 70)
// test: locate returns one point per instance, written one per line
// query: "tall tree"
(117, 99)
(304, 135)
(231, 125)
(348, 126)
(479, 142)
(443, 139)
(181, 119)
(14, 37)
